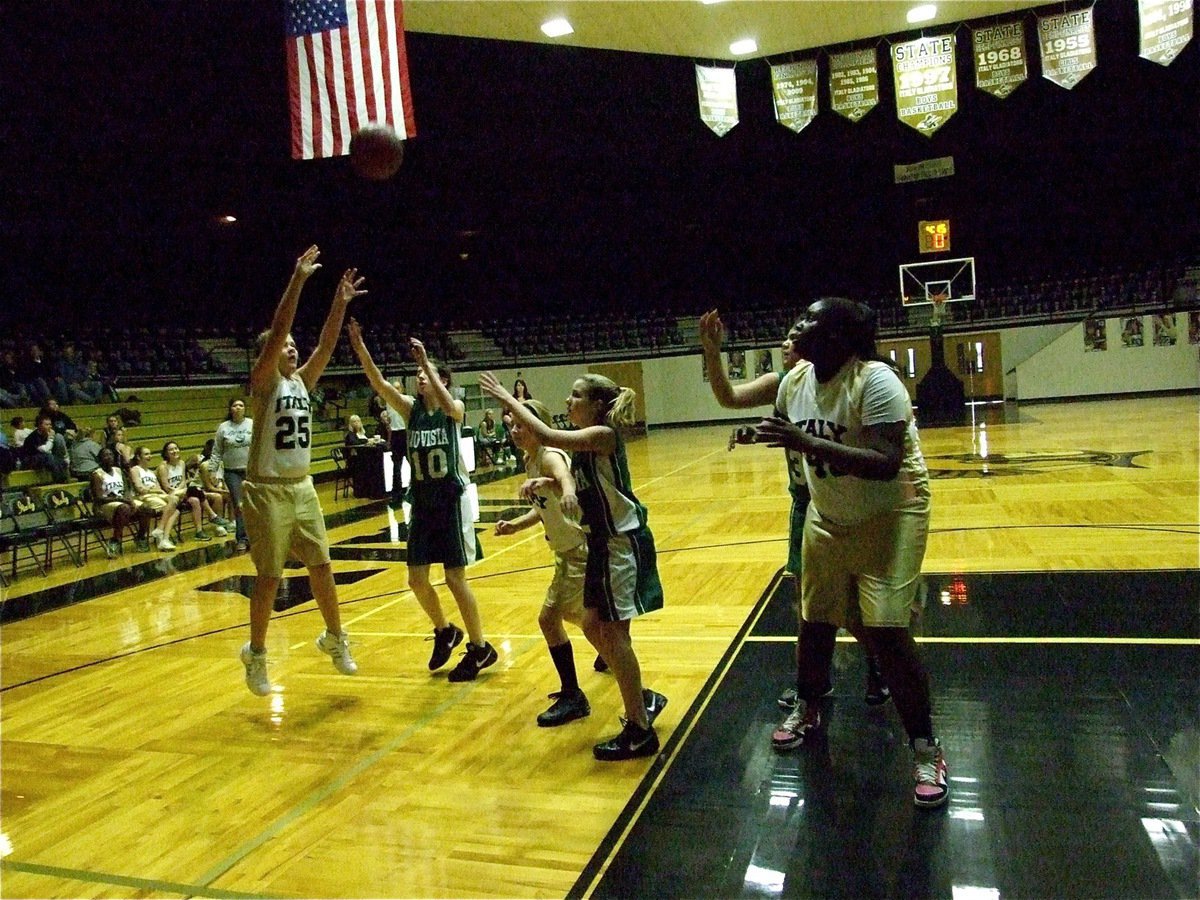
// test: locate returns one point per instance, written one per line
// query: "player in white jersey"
(760, 391)
(550, 491)
(279, 502)
(621, 576)
(849, 423)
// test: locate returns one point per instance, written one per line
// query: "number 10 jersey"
(438, 470)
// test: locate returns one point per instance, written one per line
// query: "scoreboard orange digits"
(934, 236)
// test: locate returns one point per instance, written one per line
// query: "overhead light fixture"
(226, 220)
(922, 13)
(711, 2)
(557, 28)
(742, 47)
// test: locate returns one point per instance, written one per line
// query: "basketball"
(376, 152)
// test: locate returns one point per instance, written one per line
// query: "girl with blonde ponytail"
(621, 577)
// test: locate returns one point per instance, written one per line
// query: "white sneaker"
(338, 648)
(164, 543)
(256, 670)
(156, 535)
(219, 531)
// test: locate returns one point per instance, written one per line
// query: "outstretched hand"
(529, 490)
(307, 263)
(490, 385)
(712, 330)
(417, 349)
(776, 432)
(347, 288)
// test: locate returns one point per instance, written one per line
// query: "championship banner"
(926, 82)
(999, 58)
(853, 83)
(716, 88)
(1165, 27)
(1068, 46)
(794, 86)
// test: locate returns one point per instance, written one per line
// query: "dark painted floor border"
(608, 847)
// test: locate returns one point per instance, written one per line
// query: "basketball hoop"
(939, 308)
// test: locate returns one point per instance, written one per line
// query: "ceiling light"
(557, 28)
(711, 2)
(922, 13)
(742, 47)
(227, 220)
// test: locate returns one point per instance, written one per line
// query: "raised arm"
(594, 438)
(402, 403)
(266, 367)
(347, 290)
(744, 396)
(445, 400)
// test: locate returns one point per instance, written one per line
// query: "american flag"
(347, 66)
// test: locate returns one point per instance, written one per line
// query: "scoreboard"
(934, 236)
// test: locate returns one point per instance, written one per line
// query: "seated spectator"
(213, 483)
(507, 451)
(8, 459)
(84, 455)
(487, 435)
(59, 420)
(210, 501)
(20, 432)
(356, 434)
(173, 476)
(123, 451)
(34, 375)
(72, 374)
(44, 449)
(112, 501)
(150, 498)
(12, 392)
(111, 424)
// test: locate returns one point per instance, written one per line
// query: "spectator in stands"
(20, 432)
(507, 451)
(111, 424)
(123, 451)
(12, 392)
(96, 372)
(210, 501)
(521, 390)
(34, 375)
(59, 420)
(213, 483)
(172, 475)
(231, 454)
(111, 501)
(487, 436)
(356, 433)
(8, 459)
(84, 455)
(46, 449)
(152, 500)
(72, 373)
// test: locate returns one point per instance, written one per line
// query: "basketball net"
(939, 308)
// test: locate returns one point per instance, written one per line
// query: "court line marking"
(606, 853)
(148, 884)
(966, 639)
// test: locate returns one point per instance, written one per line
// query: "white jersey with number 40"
(280, 446)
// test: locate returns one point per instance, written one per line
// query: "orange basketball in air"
(376, 152)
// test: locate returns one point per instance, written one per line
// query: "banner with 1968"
(999, 57)
(716, 89)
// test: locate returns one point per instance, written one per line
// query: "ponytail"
(618, 402)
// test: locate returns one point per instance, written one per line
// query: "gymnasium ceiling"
(690, 28)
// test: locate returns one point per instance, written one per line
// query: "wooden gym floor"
(1061, 628)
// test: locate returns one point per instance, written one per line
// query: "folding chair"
(13, 538)
(68, 513)
(35, 518)
(341, 474)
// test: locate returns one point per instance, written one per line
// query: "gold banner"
(853, 83)
(794, 86)
(926, 82)
(716, 88)
(999, 58)
(1165, 29)
(1068, 46)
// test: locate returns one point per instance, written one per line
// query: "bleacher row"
(186, 415)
